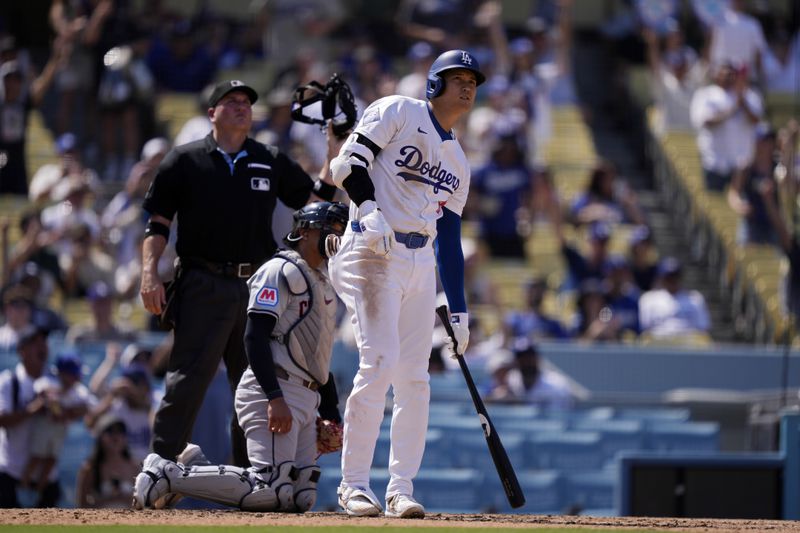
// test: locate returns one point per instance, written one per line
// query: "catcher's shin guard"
(305, 488)
(228, 485)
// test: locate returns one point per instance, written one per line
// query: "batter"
(408, 179)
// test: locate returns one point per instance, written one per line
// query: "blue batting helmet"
(448, 61)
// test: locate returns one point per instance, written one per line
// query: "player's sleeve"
(450, 259)
(294, 184)
(164, 193)
(257, 334)
(350, 169)
(269, 291)
(329, 401)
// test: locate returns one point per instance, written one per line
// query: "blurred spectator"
(518, 375)
(309, 24)
(443, 24)
(30, 248)
(725, 113)
(594, 320)
(675, 76)
(50, 175)
(500, 115)
(738, 38)
(18, 404)
(66, 399)
(606, 198)
(180, 63)
(500, 189)
(80, 26)
(782, 63)
(671, 312)
(745, 196)
(199, 125)
(277, 127)
(532, 322)
(84, 262)
(123, 220)
(103, 327)
(133, 354)
(787, 237)
(478, 284)
(544, 386)
(41, 285)
(622, 296)
(62, 220)
(17, 99)
(126, 86)
(420, 57)
(105, 480)
(581, 267)
(18, 314)
(129, 398)
(642, 256)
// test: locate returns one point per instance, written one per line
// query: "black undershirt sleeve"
(329, 401)
(259, 354)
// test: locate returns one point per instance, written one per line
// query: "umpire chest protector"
(308, 338)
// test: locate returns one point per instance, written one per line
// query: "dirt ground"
(188, 518)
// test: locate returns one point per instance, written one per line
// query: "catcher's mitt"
(329, 436)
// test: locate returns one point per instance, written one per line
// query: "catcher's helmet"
(329, 217)
(448, 61)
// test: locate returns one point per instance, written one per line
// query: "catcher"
(289, 337)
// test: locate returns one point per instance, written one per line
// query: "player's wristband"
(275, 394)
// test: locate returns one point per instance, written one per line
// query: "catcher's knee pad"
(227, 485)
(281, 479)
(305, 488)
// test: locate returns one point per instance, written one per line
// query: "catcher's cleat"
(404, 506)
(151, 483)
(358, 501)
(191, 455)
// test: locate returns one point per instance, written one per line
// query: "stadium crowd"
(97, 70)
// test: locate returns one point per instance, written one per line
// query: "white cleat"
(151, 483)
(404, 506)
(358, 501)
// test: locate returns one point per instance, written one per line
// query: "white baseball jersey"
(421, 167)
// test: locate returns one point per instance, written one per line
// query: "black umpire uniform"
(224, 203)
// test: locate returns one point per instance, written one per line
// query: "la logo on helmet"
(465, 58)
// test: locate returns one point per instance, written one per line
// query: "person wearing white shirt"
(738, 38)
(671, 311)
(17, 407)
(725, 114)
(782, 64)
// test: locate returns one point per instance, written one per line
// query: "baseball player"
(289, 338)
(407, 178)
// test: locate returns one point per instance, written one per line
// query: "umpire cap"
(221, 89)
(450, 60)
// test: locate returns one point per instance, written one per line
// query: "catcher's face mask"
(334, 94)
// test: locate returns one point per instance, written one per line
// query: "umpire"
(223, 189)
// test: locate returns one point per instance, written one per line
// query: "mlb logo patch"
(259, 184)
(267, 296)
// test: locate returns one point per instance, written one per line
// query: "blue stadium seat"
(683, 436)
(436, 449)
(543, 492)
(566, 451)
(615, 435)
(449, 490)
(471, 451)
(591, 490)
(650, 415)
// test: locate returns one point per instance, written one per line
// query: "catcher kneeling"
(288, 339)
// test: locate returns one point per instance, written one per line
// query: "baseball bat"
(501, 462)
